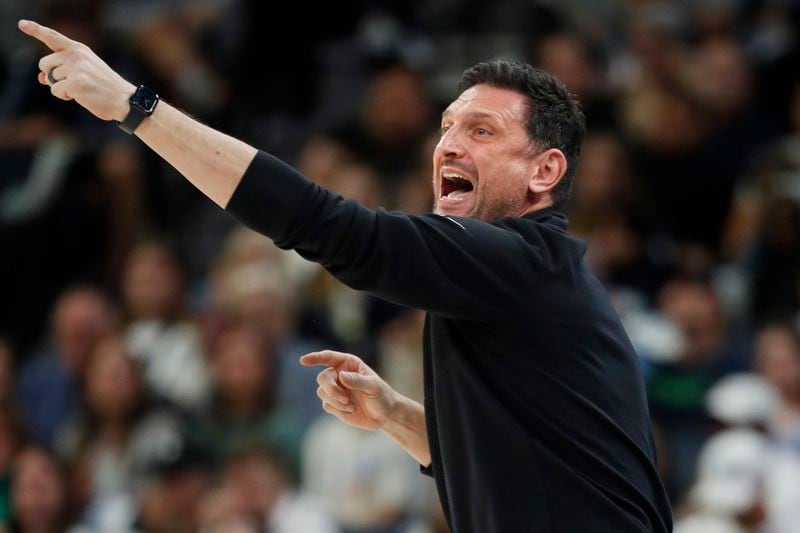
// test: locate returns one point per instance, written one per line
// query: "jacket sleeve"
(453, 266)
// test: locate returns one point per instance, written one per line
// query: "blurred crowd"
(148, 344)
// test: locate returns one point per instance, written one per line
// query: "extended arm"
(455, 267)
(212, 161)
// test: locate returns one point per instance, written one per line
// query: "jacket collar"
(549, 215)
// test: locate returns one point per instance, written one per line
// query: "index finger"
(54, 40)
(325, 357)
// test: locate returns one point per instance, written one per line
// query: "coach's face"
(485, 164)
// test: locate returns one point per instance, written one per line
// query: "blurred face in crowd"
(251, 283)
(564, 56)
(152, 283)
(241, 370)
(720, 76)
(778, 360)
(80, 318)
(359, 183)
(258, 482)
(172, 503)
(602, 178)
(37, 492)
(397, 107)
(694, 308)
(614, 245)
(664, 121)
(113, 382)
(321, 158)
(485, 164)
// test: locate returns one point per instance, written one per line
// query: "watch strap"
(132, 121)
(138, 112)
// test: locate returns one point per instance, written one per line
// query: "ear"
(552, 167)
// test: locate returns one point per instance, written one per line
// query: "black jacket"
(534, 401)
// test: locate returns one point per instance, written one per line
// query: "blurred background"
(148, 343)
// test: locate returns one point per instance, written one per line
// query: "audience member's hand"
(80, 74)
(352, 391)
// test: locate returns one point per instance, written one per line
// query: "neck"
(536, 206)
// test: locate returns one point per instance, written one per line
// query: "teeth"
(450, 175)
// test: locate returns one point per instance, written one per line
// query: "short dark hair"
(555, 119)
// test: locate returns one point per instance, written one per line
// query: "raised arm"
(212, 161)
(454, 267)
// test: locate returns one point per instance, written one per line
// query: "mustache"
(456, 166)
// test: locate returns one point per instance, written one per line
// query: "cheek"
(498, 176)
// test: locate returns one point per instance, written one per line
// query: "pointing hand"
(352, 391)
(80, 75)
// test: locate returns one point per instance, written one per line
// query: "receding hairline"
(493, 114)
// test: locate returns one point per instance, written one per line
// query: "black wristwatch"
(143, 103)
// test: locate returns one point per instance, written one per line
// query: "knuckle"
(320, 393)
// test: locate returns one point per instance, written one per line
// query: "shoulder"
(42, 367)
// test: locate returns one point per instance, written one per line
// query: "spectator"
(778, 360)
(679, 173)
(396, 118)
(256, 495)
(172, 499)
(243, 411)
(677, 390)
(731, 473)
(368, 485)
(567, 56)
(114, 441)
(49, 384)
(38, 493)
(252, 284)
(159, 332)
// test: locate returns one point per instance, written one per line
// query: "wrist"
(398, 413)
(122, 99)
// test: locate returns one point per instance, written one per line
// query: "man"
(535, 416)
(48, 386)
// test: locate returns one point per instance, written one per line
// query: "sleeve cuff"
(426, 470)
(269, 196)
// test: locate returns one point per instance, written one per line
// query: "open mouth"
(454, 186)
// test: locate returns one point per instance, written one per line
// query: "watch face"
(145, 99)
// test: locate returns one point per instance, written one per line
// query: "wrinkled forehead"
(484, 100)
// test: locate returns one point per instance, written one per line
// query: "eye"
(482, 132)
(444, 129)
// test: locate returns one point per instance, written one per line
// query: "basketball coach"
(535, 416)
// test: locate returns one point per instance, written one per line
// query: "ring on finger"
(52, 79)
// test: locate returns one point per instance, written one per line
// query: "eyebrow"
(478, 114)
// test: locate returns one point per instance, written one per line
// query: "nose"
(450, 145)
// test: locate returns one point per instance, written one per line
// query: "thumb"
(360, 382)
